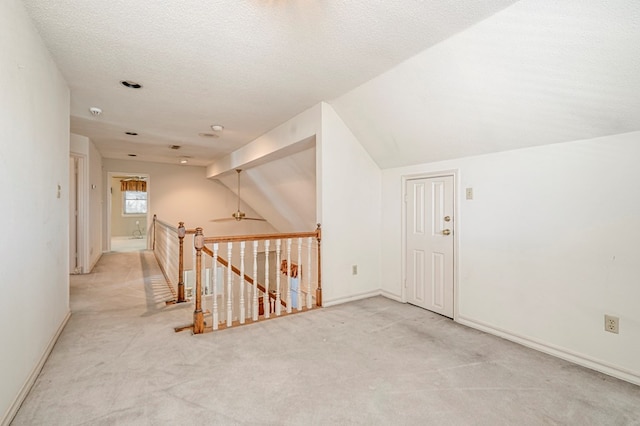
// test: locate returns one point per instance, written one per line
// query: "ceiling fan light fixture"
(238, 215)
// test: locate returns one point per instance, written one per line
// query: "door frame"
(82, 204)
(455, 228)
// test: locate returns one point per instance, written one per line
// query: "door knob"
(446, 231)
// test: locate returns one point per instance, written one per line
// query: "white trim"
(557, 351)
(82, 228)
(351, 298)
(456, 239)
(31, 379)
(396, 297)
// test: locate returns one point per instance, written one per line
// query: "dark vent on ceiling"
(131, 84)
(175, 146)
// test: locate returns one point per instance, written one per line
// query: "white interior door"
(429, 243)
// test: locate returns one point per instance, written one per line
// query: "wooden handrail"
(261, 237)
(247, 278)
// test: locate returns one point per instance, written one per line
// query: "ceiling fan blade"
(254, 218)
(225, 219)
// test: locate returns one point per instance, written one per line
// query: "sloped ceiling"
(246, 64)
(282, 191)
(538, 72)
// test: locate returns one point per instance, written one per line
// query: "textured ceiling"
(247, 64)
(538, 72)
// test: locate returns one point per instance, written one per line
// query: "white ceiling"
(538, 72)
(247, 64)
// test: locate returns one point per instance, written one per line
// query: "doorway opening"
(128, 213)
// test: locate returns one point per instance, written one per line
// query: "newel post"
(181, 233)
(319, 289)
(198, 317)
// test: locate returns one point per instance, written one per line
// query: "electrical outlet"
(354, 270)
(611, 324)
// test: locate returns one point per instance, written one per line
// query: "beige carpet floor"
(374, 362)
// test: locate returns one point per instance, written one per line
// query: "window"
(135, 202)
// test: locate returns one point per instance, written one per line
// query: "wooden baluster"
(205, 288)
(242, 301)
(214, 308)
(278, 305)
(266, 303)
(193, 268)
(181, 233)
(153, 246)
(289, 276)
(309, 270)
(299, 276)
(229, 286)
(167, 242)
(254, 304)
(198, 317)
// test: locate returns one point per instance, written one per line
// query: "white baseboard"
(31, 379)
(351, 298)
(93, 264)
(391, 296)
(563, 353)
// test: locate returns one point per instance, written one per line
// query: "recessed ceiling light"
(183, 161)
(217, 127)
(131, 84)
(208, 135)
(131, 133)
(132, 155)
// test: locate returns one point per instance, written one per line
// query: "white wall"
(547, 247)
(350, 205)
(348, 198)
(34, 130)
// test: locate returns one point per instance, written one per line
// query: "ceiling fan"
(238, 215)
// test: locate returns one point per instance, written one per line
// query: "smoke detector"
(95, 111)
(217, 127)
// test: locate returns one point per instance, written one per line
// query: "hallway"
(373, 361)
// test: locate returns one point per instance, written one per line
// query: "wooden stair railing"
(289, 268)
